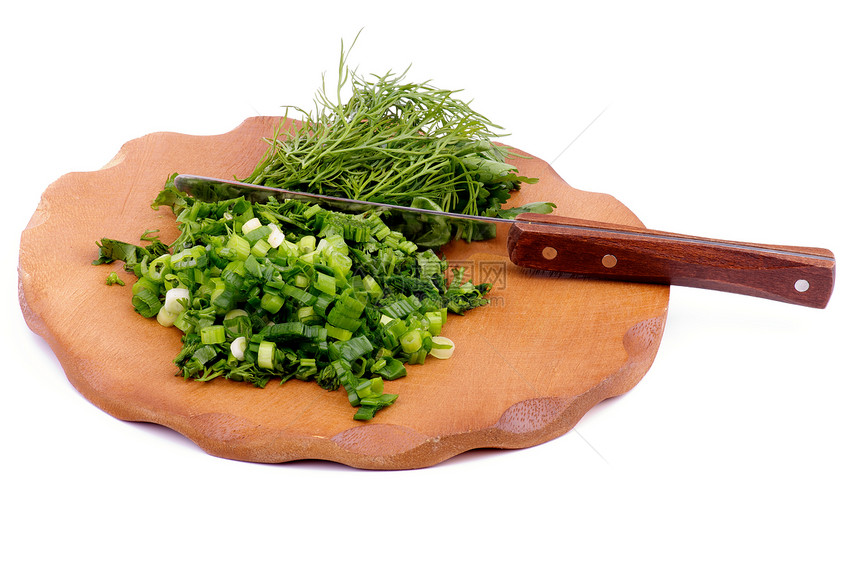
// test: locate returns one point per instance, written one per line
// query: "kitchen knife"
(798, 275)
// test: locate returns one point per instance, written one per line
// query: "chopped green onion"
(213, 334)
(312, 211)
(251, 225)
(187, 258)
(165, 318)
(391, 369)
(372, 287)
(339, 299)
(304, 298)
(146, 303)
(258, 233)
(434, 319)
(443, 347)
(276, 237)
(272, 303)
(184, 322)
(340, 263)
(145, 283)
(289, 249)
(236, 322)
(176, 300)
(307, 244)
(302, 281)
(260, 247)
(238, 347)
(349, 306)
(238, 247)
(337, 333)
(113, 279)
(351, 348)
(364, 389)
(411, 341)
(306, 314)
(266, 355)
(252, 266)
(307, 368)
(338, 320)
(158, 267)
(326, 284)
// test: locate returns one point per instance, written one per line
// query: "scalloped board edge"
(372, 446)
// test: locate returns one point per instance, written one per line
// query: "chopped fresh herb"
(113, 279)
(281, 290)
(111, 250)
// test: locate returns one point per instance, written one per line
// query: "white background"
(735, 120)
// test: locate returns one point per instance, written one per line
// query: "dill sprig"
(392, 141)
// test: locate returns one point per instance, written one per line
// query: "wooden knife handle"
(797, 275)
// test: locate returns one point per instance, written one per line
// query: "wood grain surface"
(527, 367)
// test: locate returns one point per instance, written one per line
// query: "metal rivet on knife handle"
(549, 253)
(609, 261)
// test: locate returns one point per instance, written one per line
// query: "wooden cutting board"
(525, 370)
